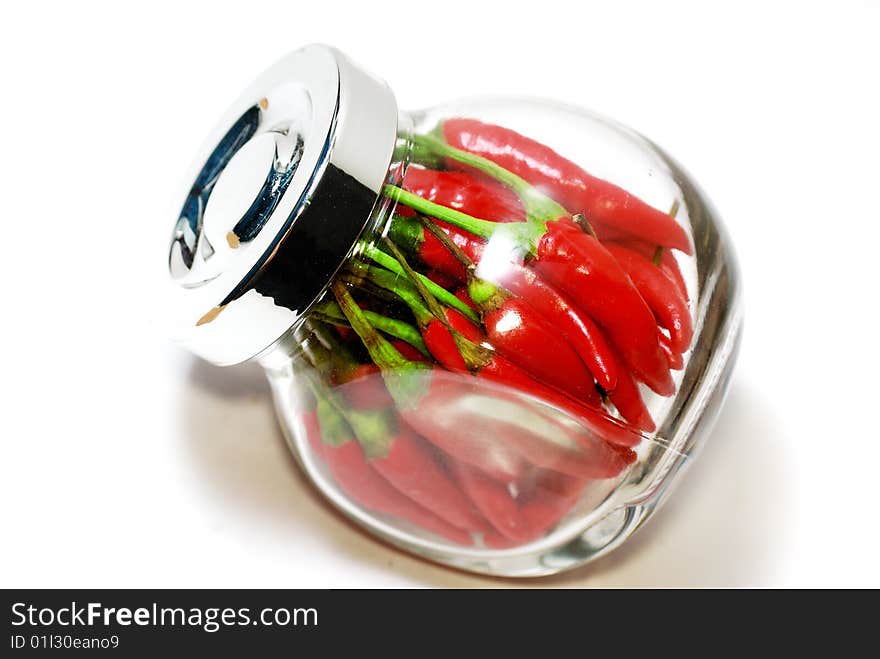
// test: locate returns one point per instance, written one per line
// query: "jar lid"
(280, 192)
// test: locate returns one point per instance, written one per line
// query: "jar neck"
(278, 356)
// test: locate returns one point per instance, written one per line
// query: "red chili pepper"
(493, 500)
(431, 401)
(551, 499)
(394, 451)
(399, 456)
(475, 195)
(477, 359)
(482, 414)
(581, 332)
(668, 263)
(431, 253)
(407, 351)
(495, 540)
(463, 295)
(578, 265)
(435, 331)
(442, 346)
(490, 366)
(520, 333)
(543, 242)
(462, 325)
(332, 440)
(629, 403)
(390, 263)
(544, 501)
(675, 359)
(313, 431)
(363, 388)
(604, 204)
(587, 272)
(360, 384)
(406, 379)
(441, 278)
(329, 312)
(517, 331)
(661, 294)
(344, 332)
(435, 326)
(353, 372)
(479, 196)
(409, 233)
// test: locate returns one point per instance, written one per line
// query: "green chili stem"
(402, 289)
(524, 235)
(481, 291)
(426, 156)
(475, 356)
(538, 206)
(397, 371)
(341, 422)
(449, 244)
(330, 312)
(482, 228)
(434, 307)
(431, 143)
(447, 298)
(331, 423)
(383, 353)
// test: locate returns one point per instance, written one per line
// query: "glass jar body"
(419, 408)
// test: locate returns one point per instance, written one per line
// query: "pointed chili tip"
(663, 386)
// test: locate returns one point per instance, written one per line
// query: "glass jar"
(478, 351)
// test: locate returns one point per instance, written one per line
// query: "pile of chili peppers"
(506, 274)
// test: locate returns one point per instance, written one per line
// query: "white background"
(126, 462)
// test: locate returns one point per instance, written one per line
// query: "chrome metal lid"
(278, 196)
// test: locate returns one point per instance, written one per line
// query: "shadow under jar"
(496, 331)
